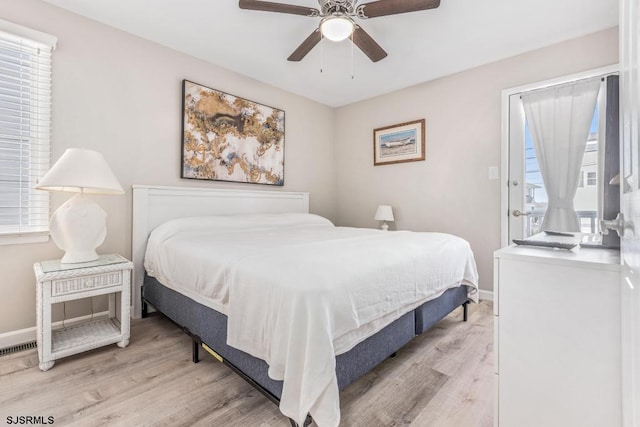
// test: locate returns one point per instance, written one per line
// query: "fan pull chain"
(321, 50)
(352, 72)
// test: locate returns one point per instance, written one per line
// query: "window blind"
(25, 130)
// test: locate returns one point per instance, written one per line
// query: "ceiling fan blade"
(368, 45)
(306, 46)
(268, 6)
(386, 7)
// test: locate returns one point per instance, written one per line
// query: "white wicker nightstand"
(58, 282)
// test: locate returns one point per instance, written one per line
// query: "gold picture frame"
(229, 138)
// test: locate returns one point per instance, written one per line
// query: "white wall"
(121, 95)
(450, 191)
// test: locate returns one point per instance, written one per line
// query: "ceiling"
(422, 46)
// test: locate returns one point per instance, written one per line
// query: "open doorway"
(525, 197)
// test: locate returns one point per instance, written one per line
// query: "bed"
(298, 307)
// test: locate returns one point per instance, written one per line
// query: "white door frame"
(630, 208)
(504, 156)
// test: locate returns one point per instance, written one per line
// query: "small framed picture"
(399, 143)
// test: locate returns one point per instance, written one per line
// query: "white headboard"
(153, 205)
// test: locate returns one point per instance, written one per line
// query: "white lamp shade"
(337, 28)
(384, 213)
(79, 170)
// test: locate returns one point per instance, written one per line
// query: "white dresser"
(557, 337)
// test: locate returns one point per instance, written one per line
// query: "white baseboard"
(23, 336)
(487, 295)
(13, 338)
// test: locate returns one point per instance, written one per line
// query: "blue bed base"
(209, 327)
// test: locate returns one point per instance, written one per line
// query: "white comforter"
(295, 288)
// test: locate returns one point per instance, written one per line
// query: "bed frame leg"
(145, 312)
(195, 350)
(465, 311)
(144, 307)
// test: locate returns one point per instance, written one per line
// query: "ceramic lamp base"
(384, 226)
(78, 227)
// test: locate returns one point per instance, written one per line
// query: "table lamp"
(79, 225)
(384, 213)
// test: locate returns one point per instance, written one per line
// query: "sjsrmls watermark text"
(30, 420)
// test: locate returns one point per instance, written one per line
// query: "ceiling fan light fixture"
(337, 28)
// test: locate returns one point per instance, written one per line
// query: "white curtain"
(559, 119)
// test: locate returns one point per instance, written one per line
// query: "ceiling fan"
(337, 20)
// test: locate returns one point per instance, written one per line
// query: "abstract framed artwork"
(399, 143)
(228, 138)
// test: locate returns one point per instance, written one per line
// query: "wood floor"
(441, 378)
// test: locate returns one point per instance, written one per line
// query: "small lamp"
(384, 213)
(79, 225)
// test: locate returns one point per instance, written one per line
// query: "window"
(25, 131)
(585, 200)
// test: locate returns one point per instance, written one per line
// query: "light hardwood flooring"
(442, 378)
